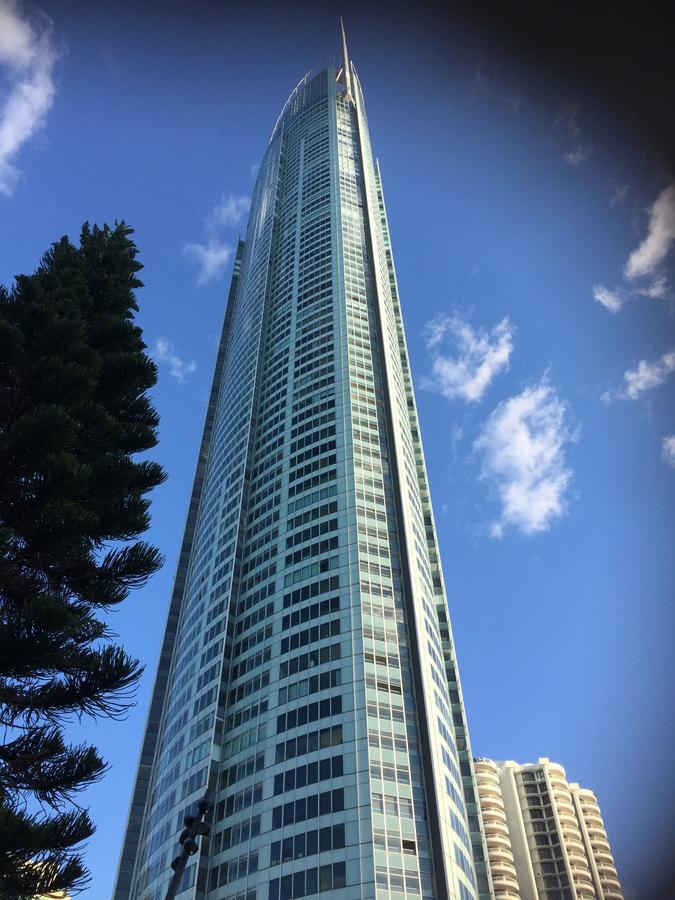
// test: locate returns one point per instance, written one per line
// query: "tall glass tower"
(308, 677)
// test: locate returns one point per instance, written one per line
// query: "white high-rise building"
(545, 837)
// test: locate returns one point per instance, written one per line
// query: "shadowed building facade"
(308, 678)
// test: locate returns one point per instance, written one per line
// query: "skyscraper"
(545, 837)
(308, 676)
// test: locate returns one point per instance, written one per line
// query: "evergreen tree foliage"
(73, 503)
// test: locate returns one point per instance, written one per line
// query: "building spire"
(346, 73)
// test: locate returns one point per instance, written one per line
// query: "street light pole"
(194, 826)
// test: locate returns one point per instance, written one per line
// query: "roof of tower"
(345, 72)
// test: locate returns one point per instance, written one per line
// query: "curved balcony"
(575, 848)
(605, 869)
(490, 790)
(499, 847)
(568, 819)
(571, 832)
(495, 827)
(582, 874)
(587, 795)
(600, 844)
(494, 821)
(498, 840)
(502, 866)
(505, 886)
(493, 810)
(485, 767)
(487, 779)
(593, 818)
(591, 812)
(558, 774)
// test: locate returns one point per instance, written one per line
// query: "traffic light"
(195, 827)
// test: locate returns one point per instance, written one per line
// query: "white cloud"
(645, 377)
(523, 447)
(619, 194)
(27, 90)
(668, 449)
(578, 154)
(648, 375)
(228, 212)
(567, 121)
(645, 260)
(660, 236)
(211, 257)
(479, 357)
(609, 299)
(658, 288)
(178, 368)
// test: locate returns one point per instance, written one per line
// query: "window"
(304, 884)
(308, 808)
(332, 837)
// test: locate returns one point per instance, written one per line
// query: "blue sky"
(532, 230)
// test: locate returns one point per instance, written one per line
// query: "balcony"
(485, 769)
(568, 819)
(502, 860)
(491, 804)
(593, 818)
(498, 841)
(599, 845)
(495, 827)
(575, 847)
(505, 886)
(583, 876)
(606, 870)
(499, 848)
(490, 790)
(572, 836)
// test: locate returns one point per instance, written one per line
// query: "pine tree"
(74, 410)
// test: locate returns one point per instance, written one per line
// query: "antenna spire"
(346, 73)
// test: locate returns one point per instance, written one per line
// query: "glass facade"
(308, 677)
